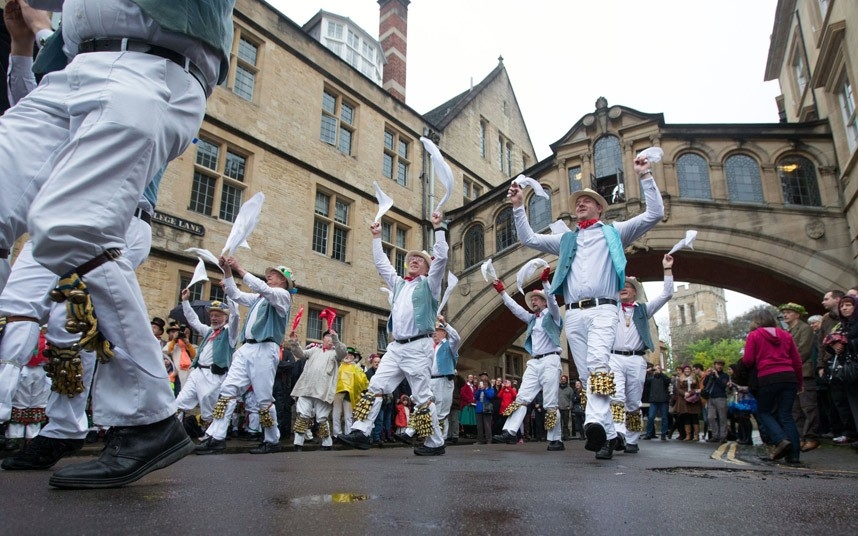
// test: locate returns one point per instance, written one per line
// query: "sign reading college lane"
(179, 223)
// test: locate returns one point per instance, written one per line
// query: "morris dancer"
(590, 284)
(316, 387)
(447, 342)
(627, 362)
(412, 321)
(542, 372)
(210, 365)
(255, 363)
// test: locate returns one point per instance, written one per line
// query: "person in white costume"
(543, 370)
(590, 273)
(255, 363)
(78, 152)
(447, 342)
(412, 322)
(316, 387)
(632, 341)
(211, 363)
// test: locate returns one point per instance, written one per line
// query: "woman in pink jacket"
(772, 352)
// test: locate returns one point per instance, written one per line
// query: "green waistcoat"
(569, 247)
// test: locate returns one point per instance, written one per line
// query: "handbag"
(846, 371)
(692, 397)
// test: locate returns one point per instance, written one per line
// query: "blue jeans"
(774, 412)
(656, 408)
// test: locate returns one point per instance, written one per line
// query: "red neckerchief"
(587, 223)
(628, 305)
(215, 333)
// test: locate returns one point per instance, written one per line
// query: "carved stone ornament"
(815, 229)
(464, 288)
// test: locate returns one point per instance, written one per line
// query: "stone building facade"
(696, 308)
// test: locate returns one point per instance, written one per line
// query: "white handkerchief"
(684, 243)
(524, 182)
(488, 271)
(653, 154)
(204, 254)
(527, 270)
(245, 223)
(452, 281)
(559, 227)
(442, 170)
(384, 202)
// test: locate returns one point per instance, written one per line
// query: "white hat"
(640, 293)
(537, 292)
(589, 193)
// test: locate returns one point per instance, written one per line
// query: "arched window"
(693, 173)
(539, 211)
(475, 245)
(743, 179)
(505, 235)
(798, 181)
(608, 167)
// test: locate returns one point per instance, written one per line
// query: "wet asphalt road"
(667, 488)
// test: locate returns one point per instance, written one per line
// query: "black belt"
(254, 341)
(591, 302)
(448, 376)
(415, 338)
(204, 366)
(4, 253)
(109, 255)
(540, 356)
(134, 45)
(629, 352)
(143, 215)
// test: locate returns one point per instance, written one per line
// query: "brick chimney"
(392, 33)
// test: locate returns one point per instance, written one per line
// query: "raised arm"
(382, 263)
(520, 312)
(546, 243)
(439, 252)
(666, 290)
(550, 299)
(636, 227)
(191, 315)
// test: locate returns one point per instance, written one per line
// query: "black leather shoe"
(647, 437)
(452, 440)
(423, 450)
(266, 448)
(596, 437)
(781, 449)
(131, 452)
(192, 426)
(556, 445)
(403, 438)
(41, 453)
(210, 445)
(505, 437)
(356, 439)
(619, 442)
(327, 448)
(606, 452)
(249, 436)
(632, 449)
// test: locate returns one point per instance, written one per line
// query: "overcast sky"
(693, 61)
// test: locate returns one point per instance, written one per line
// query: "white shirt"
(592, 274)
(402, 314)
(540, 342)
(280, 298)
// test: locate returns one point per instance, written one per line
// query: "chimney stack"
(392, 33)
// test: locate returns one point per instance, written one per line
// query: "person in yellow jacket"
(351, 381)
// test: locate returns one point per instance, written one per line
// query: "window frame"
(395, 249)
(340, 123)
(220, 176)
(395, 156)
(468, 255)
(237, 62)
(333, 225)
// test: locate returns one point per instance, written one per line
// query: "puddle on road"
(751, 474)
(311, 500)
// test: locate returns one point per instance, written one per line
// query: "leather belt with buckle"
(109, 255)
(591, 302)
(628, 352)
(540, 356)
(135, 45)
(412, 339)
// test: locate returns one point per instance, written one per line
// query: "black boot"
(41, 453)
(131, 452)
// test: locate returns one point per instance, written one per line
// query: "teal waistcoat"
(550, 327)
(425, 306)
(569, 247)
(221, 349)
(445, 358)
(642, 324)
(210, 21)
(269, 325)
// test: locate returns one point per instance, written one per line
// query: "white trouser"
(442, 392)
(201, 389)
(413, 362)
(253, 365)
(342, 414)
(78, 152)
(590, 333)
(32, 392)
(629, 375)
(251, 412)
(539, 375)
(308, 407)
